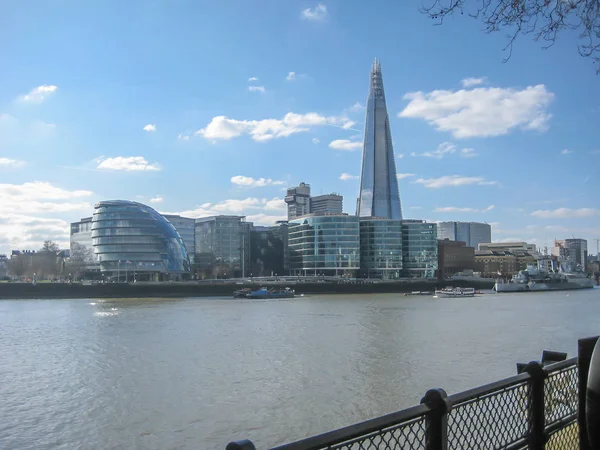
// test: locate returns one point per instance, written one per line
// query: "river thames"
(197, 373)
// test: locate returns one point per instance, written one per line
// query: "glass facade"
(380, 248)
(222, 246)
(419, 249)
(379, 195)
(324, 244)
(186, 229)
(471, 233)
(134, 242)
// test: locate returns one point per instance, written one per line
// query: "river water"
(197, 373)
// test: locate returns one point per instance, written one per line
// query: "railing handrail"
(357, 430)
(424, 410)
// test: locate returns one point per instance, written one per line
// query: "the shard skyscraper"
(379, 195)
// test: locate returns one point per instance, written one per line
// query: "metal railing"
(536, 409)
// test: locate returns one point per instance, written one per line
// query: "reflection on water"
(196, 373)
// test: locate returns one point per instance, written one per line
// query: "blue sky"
(216, 107)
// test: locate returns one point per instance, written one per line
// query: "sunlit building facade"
(379, 195)
(419, 249)
(134, 242)
(380, 248)
(324, 244)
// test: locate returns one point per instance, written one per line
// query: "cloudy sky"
(215, 107)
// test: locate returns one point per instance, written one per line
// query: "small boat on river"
(455, 292)
(264, 293)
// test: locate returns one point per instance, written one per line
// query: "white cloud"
(481, 112)
(241, 180)
(222, 127)
(470, 82)
(251, 79)
(20, 230)
(468, 153)
(183, 137)
(400, 155)
(565, 213)
(345, 144)
(454, 209)
(291, 76)
(348, 125)
(38, 94)
(452, 181)
(402, 176)
(357, 107)
(413, 154)
(260, 89)
(315, 140)
(150, 127)
(7, 162)
(566, 151)
(318, 13)
(128, 164)
(259, 210)
(347, 177)
(157, 199)
(445, 148)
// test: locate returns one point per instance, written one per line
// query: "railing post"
(436, 421)
(585, 348)
(241, 445)
(536, 407)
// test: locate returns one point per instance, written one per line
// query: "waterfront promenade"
(218, 288)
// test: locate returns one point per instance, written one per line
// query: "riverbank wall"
(202, 289)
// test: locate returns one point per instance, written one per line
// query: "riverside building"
(133, 242)
(324, 244)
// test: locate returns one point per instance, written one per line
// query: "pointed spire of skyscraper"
(379, 195)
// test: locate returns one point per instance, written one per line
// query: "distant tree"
(45, 262)
(17, 265)
(50, 247)
(543, 19)
(81, 256)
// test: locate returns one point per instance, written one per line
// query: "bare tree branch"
(543, 19)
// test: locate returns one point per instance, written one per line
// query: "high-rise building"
(471, 233)
(281, 231)
(507, 246)
(379, 195)
(329, 203)
(185, 226)
(324, 244)
(222, 246)
(298, 200)
(419, 249)
(573, 251)
(266, 253)
(380, 248)
(454, 257)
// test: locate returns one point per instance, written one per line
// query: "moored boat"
(455, 292)
(242, 293)
(264, 293)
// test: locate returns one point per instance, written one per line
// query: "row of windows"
(139, 248)
(125, 223)
(126, 232)
(132, 257)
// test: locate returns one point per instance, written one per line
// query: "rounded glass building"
(133, 242)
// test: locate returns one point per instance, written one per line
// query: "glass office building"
(380, 248)
(324, 244)
(471, 233)
(419, 249)
(379, 195)
(186, 227)
(134, 242)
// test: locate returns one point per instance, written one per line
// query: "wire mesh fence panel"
(561, 394)
(409, 436)
(490, 421)
(566, 438)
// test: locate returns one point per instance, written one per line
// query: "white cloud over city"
(260, 89)
(566, 213)
(224, 128)
(348, 177)
(250, 182)
(457, 209)
(483, 111)
(22, 227)
(454, 181)
(128, 164)
(8, 162)
(150, 127)
(345, 145)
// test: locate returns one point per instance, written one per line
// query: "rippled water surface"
(197, 373)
